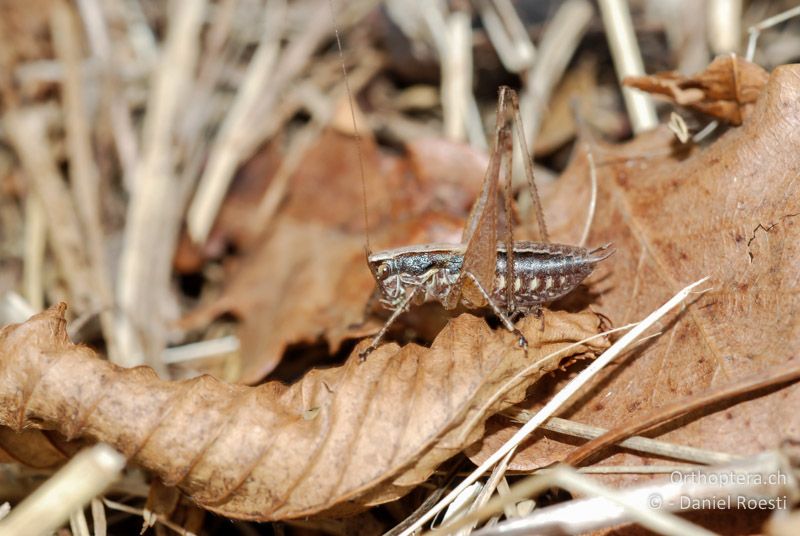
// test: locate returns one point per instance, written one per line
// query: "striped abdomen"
(542, 272)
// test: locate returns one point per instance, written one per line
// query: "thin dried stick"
(508, 35)
(83, 173)
(755, 31)
(486, 492)
(766, 475)
(783, 374)
(78, 524)
(725, 25)
(86, 475)
(639, 444)
(226, 152)
(35, 242)
(201, 350)
(569, 479)
(763, 476)
(141, 37)
(559, 400)
(592, 200)
(536, 365)
(559, 42)
(303, 141)
(150, 518)
(27, 131)
(293, 60)
(99, 523)
(122, 129)
(627, 61)
(451, 37)
(457, 75)
(153, 214)
(430, 500)
(636, 469)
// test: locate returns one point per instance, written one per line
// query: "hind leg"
(523, 342)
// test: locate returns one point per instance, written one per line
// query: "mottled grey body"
(542, 273)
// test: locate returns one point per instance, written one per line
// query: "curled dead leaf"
(726, 89)
(340, 439)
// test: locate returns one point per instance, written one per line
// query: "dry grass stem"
(559, 400)
(322, 110)
(639, 444)
(122, 129)
(628, 61)
(451, 35)
(765, 475)
(592, 208)
(486, 492)
(635, 469)
(456, 65)
(14, 308)
(558, 44)
(508, 35)
(293, 60)
(225, 154)
(27, 131)
(201, 350)
(83, 173)
(725, 26)
(35, 247)
(99, 523)
(786, 373)
(755, 31)
(149, 518)
(86, 475)
(153, 215)
(78, 524)
(540, 363)
(569, 479)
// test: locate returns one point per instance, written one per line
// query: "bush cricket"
(511, 277)
(514, 278)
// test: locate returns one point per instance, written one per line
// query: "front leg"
(362, 356)
(523, 342)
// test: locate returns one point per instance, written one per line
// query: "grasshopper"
(512, 277)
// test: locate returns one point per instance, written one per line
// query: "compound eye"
(382, 270)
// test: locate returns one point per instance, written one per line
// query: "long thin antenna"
(356, 134)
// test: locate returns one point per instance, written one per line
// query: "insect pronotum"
(512, 277)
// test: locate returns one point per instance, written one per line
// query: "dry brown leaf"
(339, 440)
(727, 89)
(308, 277)
(236, 222)
(452, 171)
(577, 91)
(730, 211)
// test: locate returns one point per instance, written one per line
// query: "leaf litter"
(740, 188)
(339, 440)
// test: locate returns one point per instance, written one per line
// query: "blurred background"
(151, 152)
